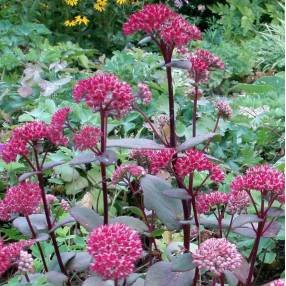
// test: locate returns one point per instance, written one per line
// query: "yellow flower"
(100, 5)
(122, 2)
(71, 2)
(81, 20)
(70, 23)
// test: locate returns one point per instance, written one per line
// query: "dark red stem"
(103, 127)
(47, 214)
(38, 244)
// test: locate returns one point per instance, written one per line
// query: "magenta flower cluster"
(34, 131)
(202, 62)
(23, 199)
(125, 172)
(9, 253)
(87, 138)
(261, 178)
(217, 255)
(115, 248)
(163, 24)
(207, 201)
(154, 160)
(194, 160)
(105, 92)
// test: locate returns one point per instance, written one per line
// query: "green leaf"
(76, 186)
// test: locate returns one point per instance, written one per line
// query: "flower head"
(105, 92)
(223, 108)
(164, 24)
(144, 93)
(238, 201)
(261, 178)
(202, 63)
(87, 138)
(194, 160)
(65, 205)
(154, 160)
(114, 248)
(56, 127)
(217, 255)
(125, 172)
(25, 263)
(23, 199)
(206, 202)
(278, 282)
(10, 252)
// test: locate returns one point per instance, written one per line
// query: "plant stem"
(221, 279)
(27, 277)
(214, 130)
(103, 127)
(196, 278)
(38, 244)
(214, 281)
(194, 119)
(171, 104)
(116, 282)
(47, 214)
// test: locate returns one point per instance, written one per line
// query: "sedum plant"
(190, 200)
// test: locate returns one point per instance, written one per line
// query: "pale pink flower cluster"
(125, 172)
(25, 263)
(194, 160)
(57, 125)
(65, 205)
(51, 198)
(206, 202)
(87, 138)
(9, 253)
(261, 178)
(144, 93)
(115, 248)
(238, 201)
(153, 160)
(278, 282)
(217, 255)
(105, 92)
(23, 199)
(163, 24)
(223, 108)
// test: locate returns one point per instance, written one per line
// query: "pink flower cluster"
(114, 248)
(278, 282)
(105, 92)
(144, 93)
(25, 263)
(125, 172)
(87, 138)
(206, 202)
(154, 160)
(194, 160)
(223, 108)
(202, 62)
(10, 252)
(238, 201)
(65, 205)
(34, 131)
(217, 255)
(56, 127)
(23, 199)
(261, 178)
(163, 24)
